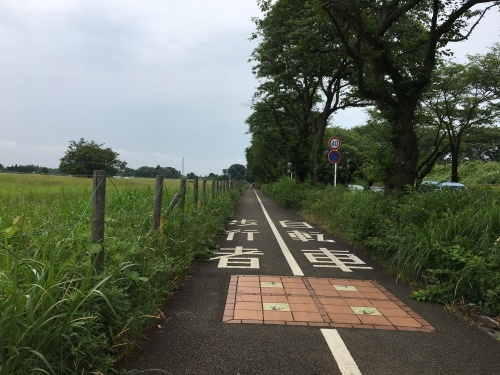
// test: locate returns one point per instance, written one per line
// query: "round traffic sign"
(334, 156)
(334, 143)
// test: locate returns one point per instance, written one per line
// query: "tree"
(237, 171)
(145, 171)
(303, 71)
(463, 97)
(82, 158)
(394, 47)
(276, 140)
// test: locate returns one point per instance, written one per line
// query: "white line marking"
(286, 252)
(342, 356)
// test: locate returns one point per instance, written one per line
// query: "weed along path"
(283, 297)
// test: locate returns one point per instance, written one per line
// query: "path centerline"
(296, 270)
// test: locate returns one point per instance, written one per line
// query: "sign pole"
(335, 176)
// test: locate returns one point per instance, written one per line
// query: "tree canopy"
(380, 52)
(83, 157)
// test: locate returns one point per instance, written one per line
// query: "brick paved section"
(318, 302)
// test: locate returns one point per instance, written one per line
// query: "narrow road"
(283, 297)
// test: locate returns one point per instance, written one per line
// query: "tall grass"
(57, 315)
(447, 241)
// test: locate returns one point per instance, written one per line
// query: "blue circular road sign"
(334, 156)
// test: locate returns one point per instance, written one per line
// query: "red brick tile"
(247, 278)
(318, 281)
(277, 315)
(333, 301)
(304, 307)
(248, 306)
(251, 284)
(357, 302)
(367, 289)
(296, 323)
(361, 283)
(252, 321)
(386, 304)
(270, 279)
(393, 312)
(340, 281)
(374, 320)
(296, 291)
(346, 294)
(248, 298)
(276, 299)
(323, 324)
(248, 289)
(426, 330)
(334, 309)
(363, 326)
(412, 329)
(234, 321)
(300, 299)
(248, 314)
(340, 325)
(414, 315)
(404, 322)
(376, 295)
(327, 292)
(302, 316)
(344, 318)
(387, 328)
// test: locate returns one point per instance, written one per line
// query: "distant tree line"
(30, 168)
(82, 158)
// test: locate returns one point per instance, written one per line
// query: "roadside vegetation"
(446, 242)
(57, 315)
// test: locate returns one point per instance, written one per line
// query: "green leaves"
(83, 157)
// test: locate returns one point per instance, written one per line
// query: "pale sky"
(155, 80)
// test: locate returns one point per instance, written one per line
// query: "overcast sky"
(155, 80)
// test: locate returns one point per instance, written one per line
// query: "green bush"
(289, 193)
(445, 239)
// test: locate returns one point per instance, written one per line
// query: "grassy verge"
(57, 315)
(446, 242)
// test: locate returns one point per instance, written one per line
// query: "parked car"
(429, 185)
(377, 188)
(452, 185)
(355, 187)
(435, 185)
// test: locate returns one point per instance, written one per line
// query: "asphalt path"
(194, 339)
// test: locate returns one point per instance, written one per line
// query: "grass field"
(60, 316)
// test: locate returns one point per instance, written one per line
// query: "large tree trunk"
(454, 163)
(405, 151)
(319, 146)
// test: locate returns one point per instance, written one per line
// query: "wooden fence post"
(204, 192)
(213, 189)
(183, 194)
(98, 208)
(155, 223)
(195, 192)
